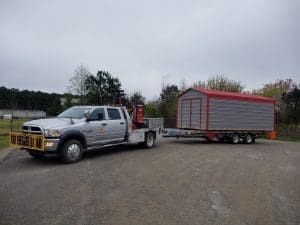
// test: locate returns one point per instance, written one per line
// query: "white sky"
(253, 41)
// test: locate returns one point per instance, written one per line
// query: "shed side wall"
(227, 114)
(191, 108)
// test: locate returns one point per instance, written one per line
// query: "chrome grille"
(32, 130)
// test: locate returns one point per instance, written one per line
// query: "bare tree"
(221, 83)
(78, 83)
(183, 85)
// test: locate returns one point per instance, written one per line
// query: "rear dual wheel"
(149, 140)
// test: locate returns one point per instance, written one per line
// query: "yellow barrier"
(29, 141)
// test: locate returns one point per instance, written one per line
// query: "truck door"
(96, 129)
(116, 125)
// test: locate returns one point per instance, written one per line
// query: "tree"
(78, 83)
(183, 85)
(277, 90)
(30, 100)
(221, 83)
(292, 100)
(102, 88)
(151, 109)
(168, 103)
(4, 98)
(137, 98)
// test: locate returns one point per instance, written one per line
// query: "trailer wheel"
(248, 139)
(221, 139)
(149, 140)
(235, 138)
(71, 151)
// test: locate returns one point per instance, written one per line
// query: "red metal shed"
(219, 110)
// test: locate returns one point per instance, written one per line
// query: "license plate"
(29, 141)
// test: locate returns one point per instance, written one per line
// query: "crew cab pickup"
(83, 128)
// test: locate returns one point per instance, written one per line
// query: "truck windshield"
(74, 113)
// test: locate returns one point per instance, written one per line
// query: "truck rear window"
(113, 114)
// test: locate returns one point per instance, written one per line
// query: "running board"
(105, 146)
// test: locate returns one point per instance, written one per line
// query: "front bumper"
(50, 146)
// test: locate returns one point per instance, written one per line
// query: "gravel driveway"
(177, 182)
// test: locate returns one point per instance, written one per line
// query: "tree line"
(12, 98)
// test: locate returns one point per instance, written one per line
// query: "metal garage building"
(36, 114)
(218, 110)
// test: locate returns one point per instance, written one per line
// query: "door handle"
(122, 123)
(104, 124)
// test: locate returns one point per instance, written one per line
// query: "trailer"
(225, 116)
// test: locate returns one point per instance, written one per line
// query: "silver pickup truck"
(83, 128)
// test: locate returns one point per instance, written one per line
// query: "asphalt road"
(177, 182)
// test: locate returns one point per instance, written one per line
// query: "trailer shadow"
(193, 141)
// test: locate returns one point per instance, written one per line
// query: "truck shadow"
(121, 149)
(54, 160)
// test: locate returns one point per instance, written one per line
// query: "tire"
(37, 155)
(248, 139)
(235, 138)
(221, 139)
(71, 151)
(149, 140)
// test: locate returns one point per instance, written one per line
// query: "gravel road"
(177, 182)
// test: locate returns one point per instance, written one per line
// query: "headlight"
(52, 133)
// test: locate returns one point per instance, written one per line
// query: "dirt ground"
(177, 182)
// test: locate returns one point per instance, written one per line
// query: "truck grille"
(32, 130)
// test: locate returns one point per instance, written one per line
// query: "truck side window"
(95, 114)
(113, 114)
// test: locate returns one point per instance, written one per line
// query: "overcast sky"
(253, 41)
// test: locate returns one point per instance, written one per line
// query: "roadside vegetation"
(6, 126)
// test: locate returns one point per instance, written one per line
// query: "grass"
(3, 141)
(288, 133)
(288, 138)
(5, 128)
(5, 125)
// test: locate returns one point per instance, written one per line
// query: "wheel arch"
(77, 135)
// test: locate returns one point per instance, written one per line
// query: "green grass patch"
(288, 133)
(6, 126)
(3, 141)
(288, 138)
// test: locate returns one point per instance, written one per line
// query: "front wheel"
(149, 140)
(71, 151)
